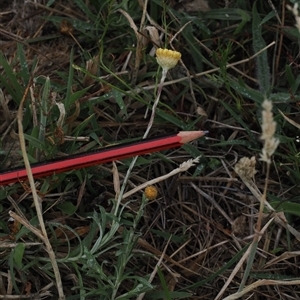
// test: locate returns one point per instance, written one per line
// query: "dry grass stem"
(182, 168)
(292, 122)
(262, 282)
(43, 236)
(283, 257)
(25, 223)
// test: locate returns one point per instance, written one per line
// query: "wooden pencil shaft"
(100, 156)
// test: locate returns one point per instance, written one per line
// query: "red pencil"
(87, 159)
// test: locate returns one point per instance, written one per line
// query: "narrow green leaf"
(233, 14)
(170, 118)
(281, 97)
(292, 32)
(239, 119)
(164, 284)
(67, 208)
(199, 170)
(70, 80)
(18, 255)
(119, 99)
(233, 142)
(35, 142)
(246, 91)
(27, 117)
(287, 207)
(13, 273)
(195, 51)
(192, 150)
(87, 12)
(263, 70)
(74, 97)
(245, 18)
(10, 81)
(77, 131)
(24, 72)
(289, 75)
(50, 2)
(166, 235)
(3, 226)
(268, 17)
(44, 109)
(293, 82)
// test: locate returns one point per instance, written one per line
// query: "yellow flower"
(167, 59)
(151, 192)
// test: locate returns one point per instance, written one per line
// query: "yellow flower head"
(151, 192)
(167, 59)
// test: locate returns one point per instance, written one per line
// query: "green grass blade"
(238, 119)
(10, 81)
(163, 282)
(18, 253)
(85, 9)
(70, 81)
(263, 70)
(233, 14)
(287, 207)
(24, 72)
(170, 118)
(247, 92)
(44, 109)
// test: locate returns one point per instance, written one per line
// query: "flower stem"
(159, 90)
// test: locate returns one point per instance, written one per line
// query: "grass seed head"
(268, 131)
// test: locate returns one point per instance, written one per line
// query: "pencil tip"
(188, 136)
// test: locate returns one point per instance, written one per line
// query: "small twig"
(183, 167)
